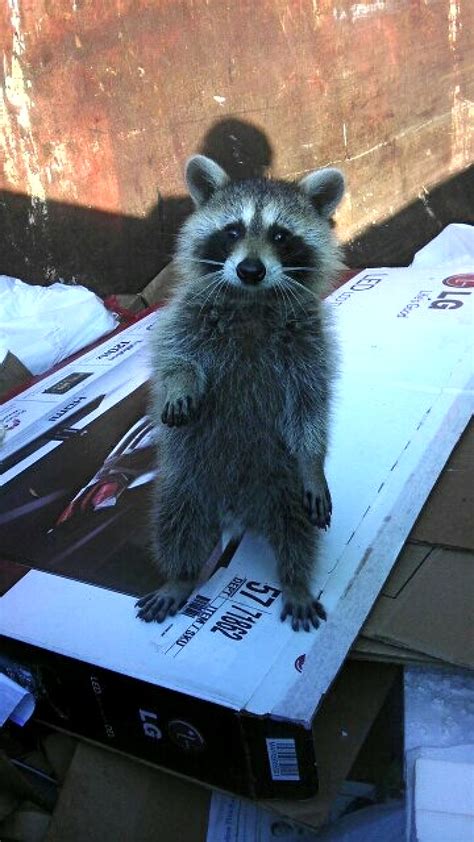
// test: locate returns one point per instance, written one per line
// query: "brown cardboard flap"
(13, 374)
(161, 287)
(447, 519)
(109, 796)
(425, 609)
(368, 649)
(429, 607)
(409, 561)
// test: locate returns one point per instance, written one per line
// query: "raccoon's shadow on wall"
(112, 253)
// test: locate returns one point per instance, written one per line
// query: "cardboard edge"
(332, 644)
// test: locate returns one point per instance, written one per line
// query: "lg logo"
(463, 281)
(459, 285)
(183, 734)
(149, 725)
(186, 736)
(446, 300)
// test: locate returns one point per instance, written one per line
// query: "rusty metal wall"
(101, 103)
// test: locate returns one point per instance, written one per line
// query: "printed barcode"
(196, 605)
(283, 760)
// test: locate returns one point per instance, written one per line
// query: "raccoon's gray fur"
(243, 365)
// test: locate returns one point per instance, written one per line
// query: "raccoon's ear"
(325, 188)
(203, 178)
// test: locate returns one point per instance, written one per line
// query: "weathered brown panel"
(101, 103)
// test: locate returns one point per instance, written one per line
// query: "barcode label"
(283, 760)
(196, 606)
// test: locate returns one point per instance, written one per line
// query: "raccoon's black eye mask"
(278, 234)
(234, 230)
(218, 245)
(291, 249)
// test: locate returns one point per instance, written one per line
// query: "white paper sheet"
(16, 703)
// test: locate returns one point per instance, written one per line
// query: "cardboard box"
(13, 374)
(109, 795)
(435, 568)
(76, 467)
(158, 290)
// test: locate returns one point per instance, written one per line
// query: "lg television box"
(223, 692)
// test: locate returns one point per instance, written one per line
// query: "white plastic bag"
(454, 247)
(44, 325)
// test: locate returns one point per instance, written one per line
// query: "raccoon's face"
(259, 234)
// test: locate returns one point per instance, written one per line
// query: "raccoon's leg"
(316, 495)
(184, 539)
(184, 385)
(306, 436)
(295, 542)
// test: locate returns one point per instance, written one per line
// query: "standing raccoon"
(243, 366)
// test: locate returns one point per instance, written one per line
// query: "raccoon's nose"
(251, 271)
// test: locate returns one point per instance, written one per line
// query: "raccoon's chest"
(252, 344)
(251, 364)
(248, 336)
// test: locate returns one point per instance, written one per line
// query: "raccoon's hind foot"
(164, 602)
(317, 503)
(305, 611)
(179, 411)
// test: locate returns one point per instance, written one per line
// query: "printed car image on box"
(73, 481)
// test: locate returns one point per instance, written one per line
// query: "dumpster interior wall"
(101, 104)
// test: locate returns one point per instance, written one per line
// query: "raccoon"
(243, 366)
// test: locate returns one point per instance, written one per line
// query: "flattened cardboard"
(432, 612)
(447, 518)
(367, 649)
(425, 610)
(65, 514)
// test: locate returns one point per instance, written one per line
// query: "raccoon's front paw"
(164, 602)
(317, 503)
(180, 411)
(305, 611)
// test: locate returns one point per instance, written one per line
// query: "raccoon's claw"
(305, 613)
(165, 602)
(179, 412)
(318, 506)
(155, 608)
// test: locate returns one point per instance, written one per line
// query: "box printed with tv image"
(76, 469)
